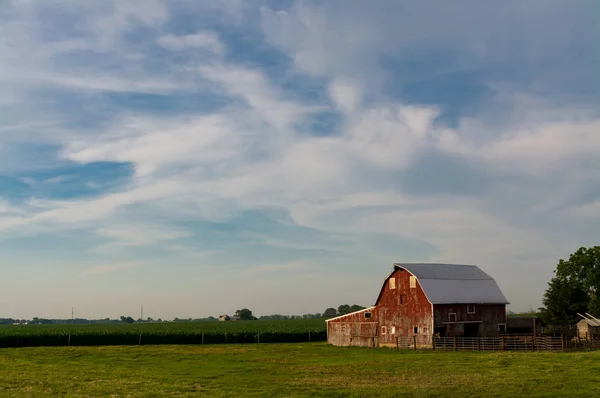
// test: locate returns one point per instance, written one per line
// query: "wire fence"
(501, 343)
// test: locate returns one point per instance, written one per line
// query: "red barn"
(422, 300)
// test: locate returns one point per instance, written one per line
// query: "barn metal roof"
(589, 322)
(455, 283)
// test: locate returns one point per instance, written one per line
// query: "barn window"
(402, 299)
(393, 330)
(413, 282)
(383, 330)
(367, 315)
(502, 327)
(452, 317)
(470, 308)
(392, 283)
(416, 330)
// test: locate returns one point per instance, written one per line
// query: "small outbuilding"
(422, 300)
(588, 329)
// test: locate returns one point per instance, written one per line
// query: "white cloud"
(7, 208)
(140, 234)
(532, 147)
(155, 145)
(390, 136)
(118, 17)
(202, 40)
(252, 87)
(344, 95)
(210, 163)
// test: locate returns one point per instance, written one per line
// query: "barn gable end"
(403, 307)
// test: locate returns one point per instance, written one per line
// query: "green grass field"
(293, 370)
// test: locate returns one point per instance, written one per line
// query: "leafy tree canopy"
(329, 313)
(346, 309)
(574, 289)
(245, 314)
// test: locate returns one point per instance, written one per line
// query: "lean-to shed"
(588, 329)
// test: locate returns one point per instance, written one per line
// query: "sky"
(199, 157)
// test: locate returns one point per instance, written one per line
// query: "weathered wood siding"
(402, 308)
(354, 329)
(490, 315)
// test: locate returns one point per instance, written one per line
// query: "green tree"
(127, 319)
(574, 289)
(245, 314)
(329, 313)
(562, 301)
(356, 307)
(344, 309)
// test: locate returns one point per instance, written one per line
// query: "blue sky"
(198, 157)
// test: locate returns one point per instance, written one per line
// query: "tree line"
(241, 314)
(575, 288)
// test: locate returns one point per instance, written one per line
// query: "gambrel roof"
(454, 283)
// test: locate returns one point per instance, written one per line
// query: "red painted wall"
(414, 310)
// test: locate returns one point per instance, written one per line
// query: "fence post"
(433, 342)
(478, 343)
(455, 346)
(259, 337)
(309, 340)
(503, 343)
(69, 340)
(563, 342)
(533, 343)
(415, 342)
(140, 341)
(202, 337)
(397, 343)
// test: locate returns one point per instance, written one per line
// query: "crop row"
(77, 335)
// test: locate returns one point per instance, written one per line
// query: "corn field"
(233, 332)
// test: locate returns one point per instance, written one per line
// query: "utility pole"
(72, 314)
(142, 312)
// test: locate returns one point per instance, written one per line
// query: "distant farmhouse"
(226, 317)
(423, 300)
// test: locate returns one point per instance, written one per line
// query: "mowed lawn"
(292, 370)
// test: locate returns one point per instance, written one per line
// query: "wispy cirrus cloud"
(208, 40)
(357, 150)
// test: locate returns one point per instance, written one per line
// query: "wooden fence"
(501, 343)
